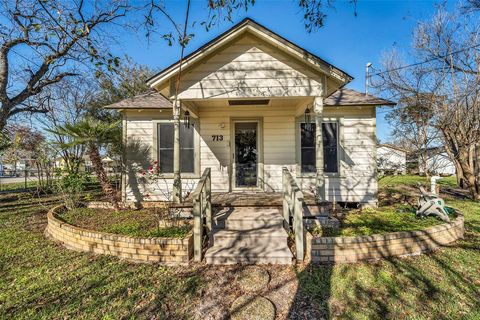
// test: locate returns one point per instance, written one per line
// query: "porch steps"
(250, 235)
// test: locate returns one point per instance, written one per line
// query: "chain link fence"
(28, 179)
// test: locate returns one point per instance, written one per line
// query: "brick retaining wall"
(353, 249)
(171, 251)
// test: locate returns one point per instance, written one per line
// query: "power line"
(425, 61)
(407, 106)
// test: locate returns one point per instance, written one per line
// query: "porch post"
(320, 181)
(177, 181)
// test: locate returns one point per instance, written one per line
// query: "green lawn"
(18, 185)
(411, 180)
(383, 220)
(42, 280)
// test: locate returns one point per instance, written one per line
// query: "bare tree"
(73, 99)
(43, 42)
(67, 103)
(446, 69)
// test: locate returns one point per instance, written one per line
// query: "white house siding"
(357, 179)
(390, 159)
(140, 128)
(440, 164)
(249, 67)
(278, 123)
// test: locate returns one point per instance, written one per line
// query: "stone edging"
(353, 249)
(169, 251)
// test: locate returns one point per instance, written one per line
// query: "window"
(330, 147)
(165, 148)
(307, 145)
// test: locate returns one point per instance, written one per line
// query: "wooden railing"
(293, 207)
(202, 210)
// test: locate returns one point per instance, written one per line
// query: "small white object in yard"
(433, 184)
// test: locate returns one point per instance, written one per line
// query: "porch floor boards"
(248, 199)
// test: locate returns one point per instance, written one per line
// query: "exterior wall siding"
(249, 67)
(355, 183)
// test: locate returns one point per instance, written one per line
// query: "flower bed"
(353, 249)
(166, 250)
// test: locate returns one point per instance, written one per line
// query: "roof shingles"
(342, 97)
(349, 97)
(149, 100)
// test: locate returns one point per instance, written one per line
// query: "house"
(251, 104)
(391, 159)
(438, 162)
(9, 168)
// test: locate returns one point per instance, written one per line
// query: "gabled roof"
(149, 100)
(349, 97)
(259, 30)
(391, 146)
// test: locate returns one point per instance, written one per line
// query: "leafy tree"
(128, 80)
(4, 142)
(24, 144)
(94, 134)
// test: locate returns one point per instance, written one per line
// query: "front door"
(245, 164)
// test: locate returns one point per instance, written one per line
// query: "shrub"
(71, 185)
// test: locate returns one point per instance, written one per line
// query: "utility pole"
(367, 76)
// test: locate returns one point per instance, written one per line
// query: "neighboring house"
(87, 166)
(438, 162)
(248, 95)
(111, 165)
(13, 169)
(391, 159)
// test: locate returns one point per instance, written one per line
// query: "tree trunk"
(477, 162)
(107, 188)
(468, 172)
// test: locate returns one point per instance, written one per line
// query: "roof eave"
(236, 30)
(390, 104)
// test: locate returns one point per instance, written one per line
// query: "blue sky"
(345, 41)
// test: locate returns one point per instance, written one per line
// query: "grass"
(10, 186)
(412, 180)
(137, 223)
(41, 280)
(441, 285)
(383, 220)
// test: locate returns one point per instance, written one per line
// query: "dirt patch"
(37, 222)
(222, 290)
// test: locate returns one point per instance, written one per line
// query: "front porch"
(247, 199)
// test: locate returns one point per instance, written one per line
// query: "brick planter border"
(168, 251)
(353, 249)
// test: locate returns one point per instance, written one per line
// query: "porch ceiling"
(297, 105)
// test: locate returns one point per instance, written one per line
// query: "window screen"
(165, 148)
(330, 147)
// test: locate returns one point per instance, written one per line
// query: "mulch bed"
(144, 222)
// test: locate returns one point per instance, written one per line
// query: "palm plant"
(94, 135)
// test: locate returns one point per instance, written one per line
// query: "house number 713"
(217, 137)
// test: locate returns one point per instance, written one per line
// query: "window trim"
(196, 148)
(340, 124)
